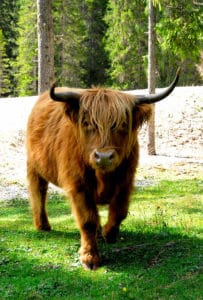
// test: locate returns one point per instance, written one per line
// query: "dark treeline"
(101, 42)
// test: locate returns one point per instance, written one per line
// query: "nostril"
(97, 155)
(111, 155)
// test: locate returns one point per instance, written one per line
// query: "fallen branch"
(129, 248)
(154, 261)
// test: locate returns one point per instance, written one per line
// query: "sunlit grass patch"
(170, 204)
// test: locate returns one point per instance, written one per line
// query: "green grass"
(158, 255)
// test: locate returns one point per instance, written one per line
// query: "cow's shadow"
(145, 250)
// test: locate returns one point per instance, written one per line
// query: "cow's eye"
(85, 123)
(88, 126)
(121, 128)
(113, 127)
(124, 126)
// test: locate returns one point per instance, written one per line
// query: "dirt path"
(179, 141)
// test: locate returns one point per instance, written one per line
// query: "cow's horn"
(63, 96)
(148, 99)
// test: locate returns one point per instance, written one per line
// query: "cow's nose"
(104, 158)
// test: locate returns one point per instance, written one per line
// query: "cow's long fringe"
(107, 110)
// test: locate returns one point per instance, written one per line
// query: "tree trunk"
(151, 76)
(45, 45)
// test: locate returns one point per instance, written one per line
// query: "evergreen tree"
(79, 31)
(8, 19)
(126, 42)
(26, 63)
(180, 35)
(70, 51)
(96, 59)
(181, 26)
(4, 68)
(179, 39)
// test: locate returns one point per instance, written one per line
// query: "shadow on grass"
(149, 250)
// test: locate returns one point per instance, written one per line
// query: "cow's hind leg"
(38, 194)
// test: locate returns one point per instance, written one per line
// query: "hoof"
(99, 233)
(89, 261)
(111, 235)
(90, 266)
(43, 227)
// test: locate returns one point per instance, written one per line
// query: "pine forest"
(101, 42)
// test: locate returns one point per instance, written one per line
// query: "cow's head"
(107, 121)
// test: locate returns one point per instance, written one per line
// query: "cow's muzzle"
(104, 159)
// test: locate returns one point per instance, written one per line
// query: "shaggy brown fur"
(89, 148)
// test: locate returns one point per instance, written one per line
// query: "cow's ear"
(71, 102)
(71, 109)
(141, 114)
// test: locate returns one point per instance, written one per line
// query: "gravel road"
(179, 140)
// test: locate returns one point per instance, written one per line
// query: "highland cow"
(85, 141)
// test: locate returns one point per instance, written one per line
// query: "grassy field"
(158, 254)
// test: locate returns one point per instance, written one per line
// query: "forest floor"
(176, 157)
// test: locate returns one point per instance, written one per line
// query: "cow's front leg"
(87, 218)
(118, 210)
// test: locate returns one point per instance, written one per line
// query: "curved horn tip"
(52, 92)
(53, 84)
(149, 99)
(52, 87)
(178, 71)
